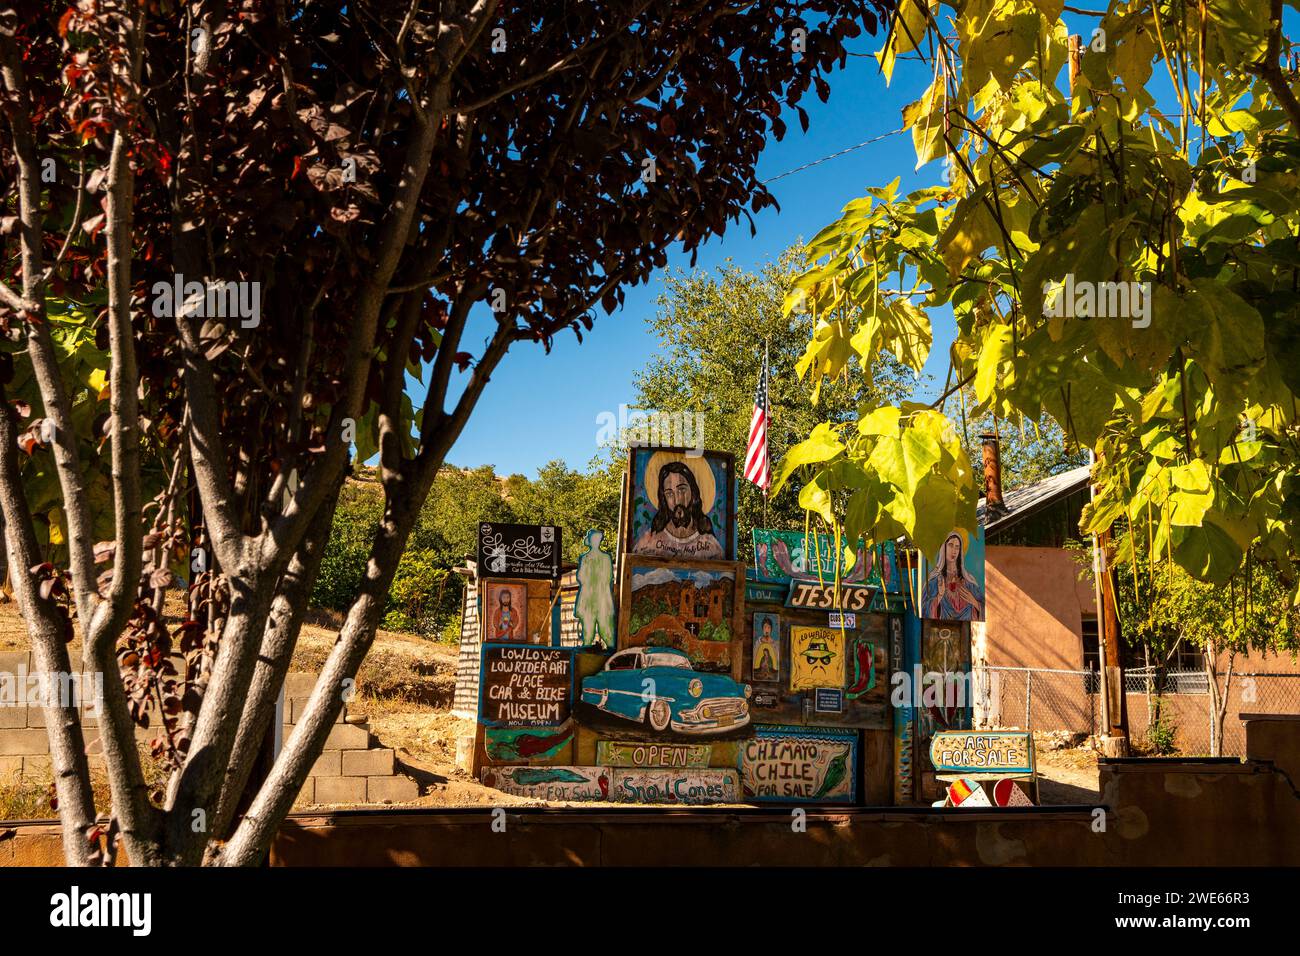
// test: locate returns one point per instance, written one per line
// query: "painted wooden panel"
(505, 612)
(515, 611)
(862, 675)
(722, 753)
(617, 784)
(549, 783)
(781, 555)
(816, 658)
(529, 744)
(942, 686)
(827, 597)
(654, 693)
(982, 752)
(630, 753)
(681, 504)
(800, 764)
(695, 607)
(593, 605)
(525, 686)
(688, 787)
(954, 588)
(519, 550)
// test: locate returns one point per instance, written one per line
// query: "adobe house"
(696, 607)
(1041, 606)
(1040, 611)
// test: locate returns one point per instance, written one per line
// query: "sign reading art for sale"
(989, 751)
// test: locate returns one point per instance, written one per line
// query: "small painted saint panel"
(505, 612)
(816, 657)
(767, 647)
(681, 505)
(954, 588)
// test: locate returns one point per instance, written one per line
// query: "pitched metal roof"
(1023, 502)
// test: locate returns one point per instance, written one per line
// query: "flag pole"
(767, 400)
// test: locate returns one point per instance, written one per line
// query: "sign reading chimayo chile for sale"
(989, 751)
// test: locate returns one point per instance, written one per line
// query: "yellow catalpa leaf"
(56, 526)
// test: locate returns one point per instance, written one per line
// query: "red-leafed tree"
(370, 171)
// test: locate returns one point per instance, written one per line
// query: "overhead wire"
(834, 155)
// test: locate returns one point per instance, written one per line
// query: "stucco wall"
(1035, 602)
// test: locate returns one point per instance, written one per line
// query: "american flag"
(758, 467)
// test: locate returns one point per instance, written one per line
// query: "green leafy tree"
(572, 500)
(426, 591)
(1126, 268)
(1163, 607)
(459, 500)
(426, 594)
(713, 329)
(343, 563)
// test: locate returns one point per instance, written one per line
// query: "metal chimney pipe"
(992, 472)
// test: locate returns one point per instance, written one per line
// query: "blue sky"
(538, 408)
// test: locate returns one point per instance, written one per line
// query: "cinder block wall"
(24, 746)
(354, 767)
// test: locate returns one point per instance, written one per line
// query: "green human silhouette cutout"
(594, 607)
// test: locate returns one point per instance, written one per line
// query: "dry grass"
(403, 673)
(405, 687)
(25, 800)
(28, 799)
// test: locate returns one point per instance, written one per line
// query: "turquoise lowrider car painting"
(656, 686)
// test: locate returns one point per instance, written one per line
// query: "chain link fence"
(1168, 712)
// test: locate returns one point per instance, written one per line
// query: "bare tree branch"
(137, 817)
(1269, 70)
(46, 625)
(403, 502)
(273, 659)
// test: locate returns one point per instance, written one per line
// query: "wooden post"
(1114, 713)
(1108, 617)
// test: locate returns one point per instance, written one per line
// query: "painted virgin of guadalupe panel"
(954, 588)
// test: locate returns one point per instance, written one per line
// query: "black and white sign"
(518, 551)
(828, 700)
(766, 698)
(521, 686)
